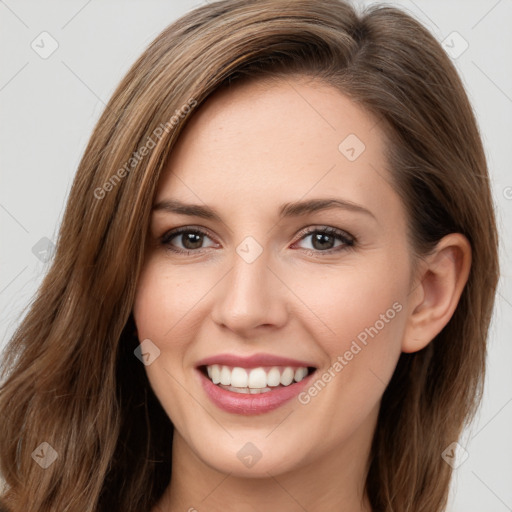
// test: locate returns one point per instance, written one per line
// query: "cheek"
(373, 310)
(356, 302)
(365, 313)
(164, 301)
(162, 310)
(363, 310)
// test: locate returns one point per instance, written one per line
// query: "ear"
(439, 282)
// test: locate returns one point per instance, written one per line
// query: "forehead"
(280, 141)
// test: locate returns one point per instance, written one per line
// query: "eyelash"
(348, 240)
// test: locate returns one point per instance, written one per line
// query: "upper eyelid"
(170, 234)
(313, 229)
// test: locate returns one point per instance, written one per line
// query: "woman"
(274, 277)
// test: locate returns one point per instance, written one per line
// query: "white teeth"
(300, 373)
(215, 370)
(257, 378)
(274, 377)
(287, 376)
(246, 391)
(239, 378)
(254, 380)
(225, 376)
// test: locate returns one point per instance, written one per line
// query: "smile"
(252, 385)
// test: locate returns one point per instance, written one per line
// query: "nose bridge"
(250, 295)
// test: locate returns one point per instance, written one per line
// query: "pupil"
(323, 239)
(192, 240)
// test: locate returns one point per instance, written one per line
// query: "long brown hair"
(70, 377)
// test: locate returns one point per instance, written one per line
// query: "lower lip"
(247, 404)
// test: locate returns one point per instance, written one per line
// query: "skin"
(244, 153)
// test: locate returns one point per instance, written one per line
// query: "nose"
(250, 297)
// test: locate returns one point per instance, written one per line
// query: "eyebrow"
(294, 209)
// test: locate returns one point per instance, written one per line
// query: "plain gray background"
(50, 105)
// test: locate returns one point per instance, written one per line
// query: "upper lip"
(253, 361)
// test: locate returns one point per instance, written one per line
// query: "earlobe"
(441, 280)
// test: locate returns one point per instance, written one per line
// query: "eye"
(191, 240)
(323, 240)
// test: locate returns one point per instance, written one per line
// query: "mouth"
(254, 381)
(255, 385)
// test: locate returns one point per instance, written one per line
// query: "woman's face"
(253, 273)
